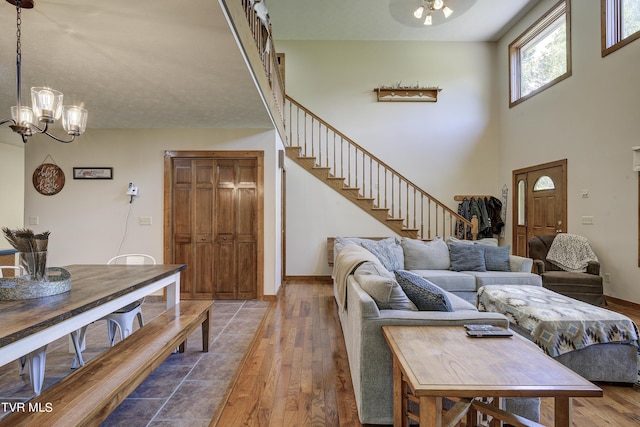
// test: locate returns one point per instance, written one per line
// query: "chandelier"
(432, 7)
(46, 103)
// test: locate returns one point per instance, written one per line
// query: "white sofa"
(361, 317)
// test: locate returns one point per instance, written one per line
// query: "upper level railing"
(375, 180)
(271, 61)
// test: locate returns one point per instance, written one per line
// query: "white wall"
(92, 220)
(591, 119)
(448, 147)
(314, 212)
(11, 189)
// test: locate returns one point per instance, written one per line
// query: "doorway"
(214, 222)
(540, 203)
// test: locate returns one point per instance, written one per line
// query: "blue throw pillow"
(424, 294)
(467, 257)
(496, 258)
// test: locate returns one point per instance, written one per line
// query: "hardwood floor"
(297, 373)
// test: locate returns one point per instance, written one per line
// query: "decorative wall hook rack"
(407, 94)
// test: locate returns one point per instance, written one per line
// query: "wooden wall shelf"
(406, 94)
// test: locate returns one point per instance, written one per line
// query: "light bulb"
(437, 4)
(447, 12)
(428, 20)
(22, 116)
(418, 12)
(47, 104)
(74, 120)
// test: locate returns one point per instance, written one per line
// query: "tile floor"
(184, 391)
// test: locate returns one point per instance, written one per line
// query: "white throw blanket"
(571, 253)
(350, 257)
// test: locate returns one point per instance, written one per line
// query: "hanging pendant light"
(46, 103)
(432, 7)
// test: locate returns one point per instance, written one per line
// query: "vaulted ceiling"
(176, 64)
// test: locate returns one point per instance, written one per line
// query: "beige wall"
(88, 218)
(449, 147)
(11, 189)
(591, 119)
(470, 140)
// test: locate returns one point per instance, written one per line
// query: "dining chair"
(18, 270)
(123, 318)
(120, 320)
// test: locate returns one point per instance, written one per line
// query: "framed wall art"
(92, 173)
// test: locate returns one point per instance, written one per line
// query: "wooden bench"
(88, 395)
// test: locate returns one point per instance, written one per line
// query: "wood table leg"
(398, 395)
(562, 412)
(430, 411)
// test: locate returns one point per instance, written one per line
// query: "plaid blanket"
(557, 324)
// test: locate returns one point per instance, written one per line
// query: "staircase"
(331, 156)
(367, 181)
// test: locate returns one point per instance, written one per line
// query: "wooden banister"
(374, 179)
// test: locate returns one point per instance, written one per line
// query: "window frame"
(611, 12)
(561, 8)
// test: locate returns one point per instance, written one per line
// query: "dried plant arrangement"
(32, 248)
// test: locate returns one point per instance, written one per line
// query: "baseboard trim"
(308, 280)
(623, 302)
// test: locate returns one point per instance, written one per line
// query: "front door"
(540, 203)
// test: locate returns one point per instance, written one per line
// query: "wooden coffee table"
(432, 362)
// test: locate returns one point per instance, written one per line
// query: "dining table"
(27, 326)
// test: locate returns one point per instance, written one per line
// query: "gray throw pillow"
(496, 258)
(424, 294)
(381, 285)
(388, 251)
(420, 255)
(467, 257)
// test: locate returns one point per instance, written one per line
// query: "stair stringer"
(353, 194)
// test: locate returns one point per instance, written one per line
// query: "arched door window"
(544, 183)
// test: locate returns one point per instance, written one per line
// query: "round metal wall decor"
(48, 179)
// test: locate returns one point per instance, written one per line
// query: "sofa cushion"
(451, 281)
(459, 304)
(388, 251)
(421, 255)
(424, 294)
(496, 258)
(483, 278)
(381, 285)
(467, 257)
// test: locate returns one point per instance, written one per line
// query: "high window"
(620, 24)
(541, 56)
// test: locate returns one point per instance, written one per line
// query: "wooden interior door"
(193, 216)
(540, 203)
(214, 224)
(235, 229)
